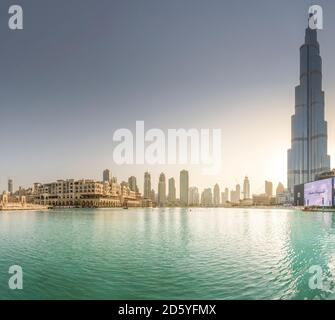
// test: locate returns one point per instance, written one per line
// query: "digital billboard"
(318, 193)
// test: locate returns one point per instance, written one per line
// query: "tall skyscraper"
(147, 186)
(235, 195)
(216, 195)
(193, 196)
(184, 185)
(308, 154)
(238, 191)
(10, 186)
(268, 188)
(172, 190)
(153, 195)
(225, 196)
(133, 184)
(246, 188)
(162, 190)
(107, 175)
(206, 198)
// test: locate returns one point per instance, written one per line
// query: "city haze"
(80, 70)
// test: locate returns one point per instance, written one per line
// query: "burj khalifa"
(308, 154)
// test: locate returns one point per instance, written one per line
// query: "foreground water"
(167, 253)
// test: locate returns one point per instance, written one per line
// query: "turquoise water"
(167, 253)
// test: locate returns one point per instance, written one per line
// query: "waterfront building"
(280, 188)
(238, 191)
(10, 186)
(147, 203)
(298, 195)
(16, 203)
(85, 193)
(246, 188)
(107, 175)
(207, 198)
(246, 202)
(193, 196)
(308, 156)
(128, 197)
(162, 190)
(4, 199)
(147, 186)
(172, 191)
(317, 193)
(225, 196)
(133, 184)
(268, 188)
(262, 200)
(283, 197)
(216, 195)
(21, 191)
(153, 196)
(184, 185)
(235, 195)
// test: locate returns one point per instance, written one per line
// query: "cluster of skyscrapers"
(190, 195)
(110, 193)
(168, 196)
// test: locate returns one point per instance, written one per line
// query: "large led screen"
(318, 193)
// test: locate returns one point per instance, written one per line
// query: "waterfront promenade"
(22, 207)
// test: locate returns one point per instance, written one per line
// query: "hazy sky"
(80, 69)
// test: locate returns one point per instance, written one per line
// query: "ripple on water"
(167, 253)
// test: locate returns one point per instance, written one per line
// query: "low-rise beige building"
(263, 200)
(85, 193)
(9, 202)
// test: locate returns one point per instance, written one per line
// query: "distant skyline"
(80, 70)
(168, 186)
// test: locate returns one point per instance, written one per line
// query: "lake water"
(167, 253)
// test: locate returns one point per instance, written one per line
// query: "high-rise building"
(246, 188)
(238, 190)
(268, 188)
(162, 190)
(235, 195)
(308, 154)
(193, 196)
(153, 196)
(207, 198)
(172, 190)
(147, 186)
(233, 198)
(133, 184)
(216, 195)
(184, 185)
(10, 186)
(280, 188)
(225, 196)
(107, 175)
